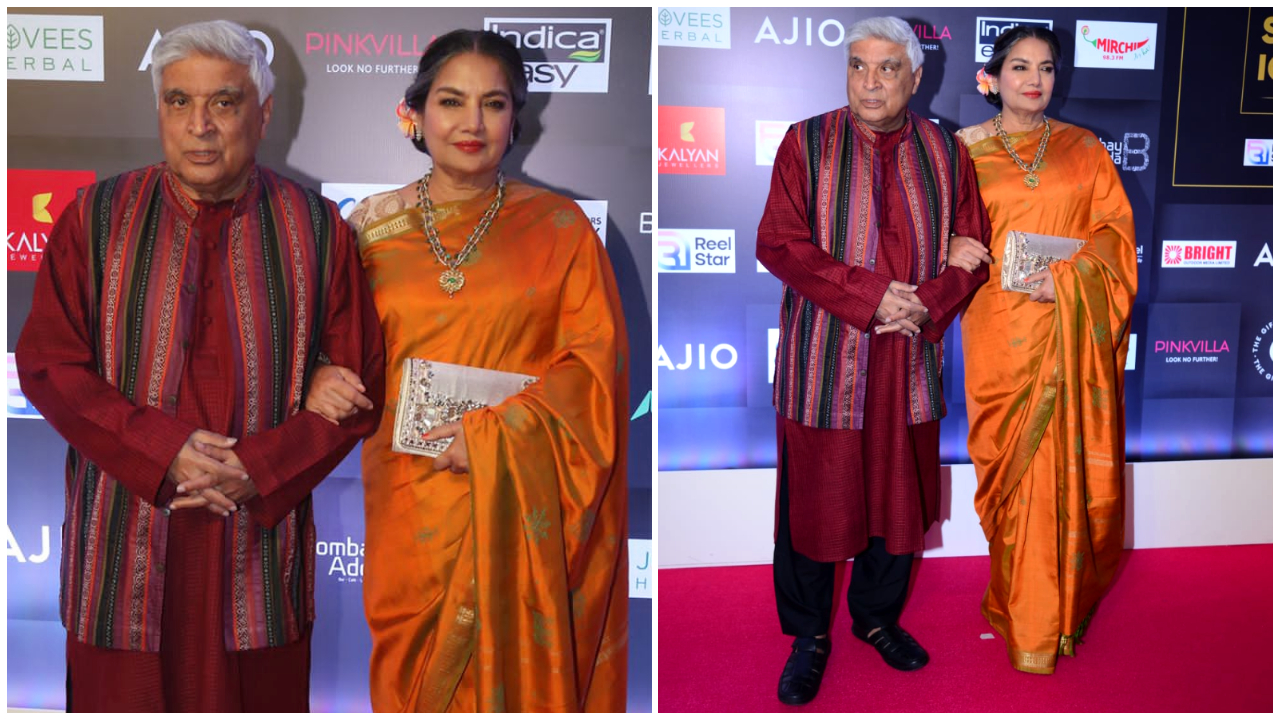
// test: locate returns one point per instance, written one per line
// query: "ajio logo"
(257, 34)
(722, 356)
(16, 551)
(1265, 256)
(829, 32)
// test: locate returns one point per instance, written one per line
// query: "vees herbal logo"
(55, 47)
(561, 54)
(700, 27)
(1119, 45)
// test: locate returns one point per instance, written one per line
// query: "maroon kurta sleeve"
(947, 294)
(785, 247)
(58, 371)
(289, 460)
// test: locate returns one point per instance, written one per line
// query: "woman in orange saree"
(1044, 373)
(495, 575)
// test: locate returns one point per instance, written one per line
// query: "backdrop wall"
(1190, 138)
(81, 108)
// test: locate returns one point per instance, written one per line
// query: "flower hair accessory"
(405, 119)
(984, 81)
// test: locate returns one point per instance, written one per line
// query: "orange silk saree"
(504, 588)
(1044, 385)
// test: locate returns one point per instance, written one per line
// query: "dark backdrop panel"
(339, 75)
(775, 66)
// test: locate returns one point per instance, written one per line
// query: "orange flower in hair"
(405, 119)
(984, 82)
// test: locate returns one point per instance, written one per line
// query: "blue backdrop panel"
(340, 73)
(775, 66)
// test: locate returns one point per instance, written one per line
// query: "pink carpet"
(1181, 630)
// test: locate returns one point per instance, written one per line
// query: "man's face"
(880, 83)
(210, 125)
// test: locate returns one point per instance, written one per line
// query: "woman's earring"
(512, 140)
(417, 132)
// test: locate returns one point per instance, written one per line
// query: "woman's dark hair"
(460, 42)
(1006, 41)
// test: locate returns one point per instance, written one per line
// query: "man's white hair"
(215, 38)
(893, 29)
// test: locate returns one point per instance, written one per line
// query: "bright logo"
(1199, 254)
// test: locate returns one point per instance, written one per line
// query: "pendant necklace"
(1031, 180)
(452, 280)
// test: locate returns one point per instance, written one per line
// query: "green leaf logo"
(585, 56)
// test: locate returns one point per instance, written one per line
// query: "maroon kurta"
(846, 486)
(193, 670)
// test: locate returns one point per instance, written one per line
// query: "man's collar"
(179, 201)
(870, 135)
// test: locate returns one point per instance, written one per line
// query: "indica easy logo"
(560, 54)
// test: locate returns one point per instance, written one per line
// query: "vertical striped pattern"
(278, 260)
(819, 381)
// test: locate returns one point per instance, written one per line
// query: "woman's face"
(1026, 78)
(467, 117)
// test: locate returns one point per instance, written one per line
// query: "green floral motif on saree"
(536, 524)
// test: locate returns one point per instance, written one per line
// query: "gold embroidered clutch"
(1027, 253)
(435, 393)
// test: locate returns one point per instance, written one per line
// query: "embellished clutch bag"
(1028, 253)
(435, 393)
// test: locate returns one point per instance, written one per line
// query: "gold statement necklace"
(1031, 180)
(452, 280)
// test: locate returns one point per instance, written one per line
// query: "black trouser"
(804, 588)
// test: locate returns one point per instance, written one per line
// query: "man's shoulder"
(824, 118)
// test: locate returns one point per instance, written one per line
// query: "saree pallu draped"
(504, 588)
(1044, 384)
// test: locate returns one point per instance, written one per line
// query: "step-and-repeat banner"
(81, 108)
(1181, 99)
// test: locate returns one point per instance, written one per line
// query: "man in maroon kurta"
(862, 207)
(178, 314)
